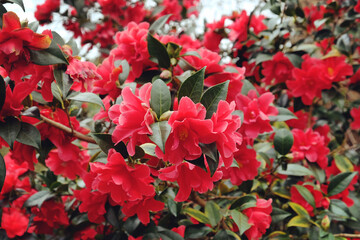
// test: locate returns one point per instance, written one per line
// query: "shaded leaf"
(283, 115)
(160, 100)
(192, 87)
(29, 135)
(49, 56)
(104, 141)
(88, 97)
(38, 198)
(283, 141)
(32, 112)
(212, 96)
(248, 200)
(212, 211)
(306, 194)
(159, 23)
(247, 86)
(9, 130)
(2, 172)
(196, 231)
(278, 215)
(241, 220)
(18, 2)
(295, 170)
(340, 182)
(125, 70)
(158, 51)
(161, 131)
(172, 207)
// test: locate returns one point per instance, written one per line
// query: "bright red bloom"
(124, 183)
(225, 126)
(43, 12)
(208, 58)
(171, 7)
(188, 177)
(357, 7)
(188, 129)
(336, 69)
(85, 234)
(301, 121)
(212, 37)
(103, 34)
(14, 221)
(355, 114)
(24, 153)
(141, 208)
(256, 112)
(259, 218)
(314, 13)
(133, 117)
(310, 145)
(278, 69)
(239, 28)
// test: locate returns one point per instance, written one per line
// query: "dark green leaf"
(49, 56)
(283, 141)
(247, 86)
(283, 115)
(196, 231)
(306, 194)
(212, 97)
(56, 92)
(9, 130)
(212, 211)
(57, 38)
(64, 81)
(299, 12)
(278, 215)
(88, 97)
(160, 100)
(2, 11)
(159, 23)
(295, 59)
(112, 217)
(340, 182)
(18, 2)
(295, 170)
(2, 92)
(158, 51)
(192, 87)
(212, 158)
(161, 131)
(32, 112)
(38, 198)
(172, 207)
(323, 33)
(241, 221)
(2, 172)
(29, 135)
(104, 141)
(226, 235)
(242, 201)
(167, 234)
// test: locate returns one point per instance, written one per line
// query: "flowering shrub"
(172, 137)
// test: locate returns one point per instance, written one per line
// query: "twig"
(198, 200)
(347, 235)
(68, 130)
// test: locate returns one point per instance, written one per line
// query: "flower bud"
(325, 222)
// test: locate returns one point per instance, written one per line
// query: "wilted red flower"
(259, 218)
(278, 69)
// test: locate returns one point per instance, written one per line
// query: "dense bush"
(247, 131)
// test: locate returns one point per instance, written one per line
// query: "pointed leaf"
(284, 114)
(212, 97)
(104, 141)
(2, 92)
(9, 130)
(158, 51)
(212, 211)
(278, 215)
(343, 163)
(29, 135)
(64, 81)
(295, 170)
(2, 172)
(49, 56)
(340, 182)
(192, 87)
(161, 131)
(18, 2)
(299, 221)
(159, 23)
(32, 112)
(283, 141)
(300, 210)
(88, 97)
(160, 100)
(247, 86)
(38, 198)
(306, 194)
(172, 207)
(167, 234)
(241, 220)
(249, 200)
(199, 216)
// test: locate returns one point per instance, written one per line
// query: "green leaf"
(88, 97)
(343, 163)
(158, 51)
(300, 210)
(299, 221)
(149, 149)
(32, 112)
(161, 131)
(283, 141)
(295, 170)
(248, 201)
(212, 158)
(2, 11)
(125, 70)
(49, 56)
(18, 2)
(57, 38)
(262, 57)
(226, 235)
(192, 53)
(2, 92)
(38, 198)
(104, 141)
(29, 135)
(323, 33)
(74, 47)
(9, 130)
(306, 194)
(2, 172)
(57, 93)
(172, 207)
(212, 97)
(167, 234)
(160, 100)
(283, 115)
(247, 86)
(199, 216)
(159, 23)
(63, 81)
(212, 211)
(340, 182)
(278, 215)
(192, 87)
(241, 221)
(196, 231)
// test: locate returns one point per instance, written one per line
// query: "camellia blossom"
(278, 69)
(43, 12)
(14, 221)
(355, 114)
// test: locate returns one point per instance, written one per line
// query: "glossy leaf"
(241, 220)
(340, 182)
(160, 100)
(2, 172)
(212, 211)
(161, 131)
(159, 23)
(49, 56)
(248, 200)
(212, 97)
(299, 221)
(247, 86)
(306, 194)
(88, 97)
(283, 115)
(32, 112)
(29, 135)
(295, 170)
(278, 215)
(199, 216)
(300, 210)
(158, 51)
(283, 141)
(193, 86)
(343, 163)
(9, 130)
(38, 198)
(104, 141)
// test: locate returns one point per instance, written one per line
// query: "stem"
(68, 130)
(198, 200)
(347, 235)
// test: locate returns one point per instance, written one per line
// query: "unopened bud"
(166, 74)
(165, 116)
(325, 222)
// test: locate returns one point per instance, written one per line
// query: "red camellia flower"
(310, 145)
(256, 112)
(43, 12)
(336, 69)
(355, 114)
(357, 7)
(259, 218)
(14, 221)
(133, 117)
(278, 69)
(188, 129)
